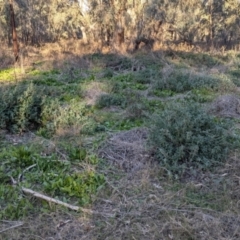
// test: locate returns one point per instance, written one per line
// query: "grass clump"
(187, 139)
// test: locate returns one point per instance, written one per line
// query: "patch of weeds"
(9, 74)
(153, 105)
(205, 198)
(120, 123)
(127, 124)
(235, 73)
(35, 72)
(67, 97)
(13, 205)
(201, 95)
(186, 139)
(77, 153)
(117, 87)
(107, 100)
(78, 185)
(124, 81)
(140, 86)
(50, 73)
(46, 174)
(70, 92)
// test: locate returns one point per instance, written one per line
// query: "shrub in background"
(20, 107)
(186, 139)
(29, 107)
(182, 80)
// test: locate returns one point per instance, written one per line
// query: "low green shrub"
(185, 139)
(20, 107)
(107, 100)
(29, 107)
(182, 80)
(145, 76)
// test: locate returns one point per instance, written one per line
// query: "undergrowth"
(45, 174)
(75, 108)
(186, 139)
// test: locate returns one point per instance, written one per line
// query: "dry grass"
(226, 106)
(127, 150)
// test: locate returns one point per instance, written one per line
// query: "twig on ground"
(15, 226)
(53, 200)
(49, 199)
(25, 170)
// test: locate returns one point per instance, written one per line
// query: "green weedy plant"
(46, 174)
(186, 139)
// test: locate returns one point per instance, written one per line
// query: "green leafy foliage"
(80, 185)
(20, 107)
(77, 153)
(186, 139)
(29, 107)
(45, 174)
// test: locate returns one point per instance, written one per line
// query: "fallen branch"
(15, 226)
(53, 200)
(49, 199)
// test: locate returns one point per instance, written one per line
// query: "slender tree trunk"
(14, 32)
(211, 26)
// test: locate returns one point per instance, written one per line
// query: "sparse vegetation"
(144, 145)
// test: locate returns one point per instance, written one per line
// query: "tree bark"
(14, 32)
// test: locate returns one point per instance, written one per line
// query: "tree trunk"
(14, 32)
